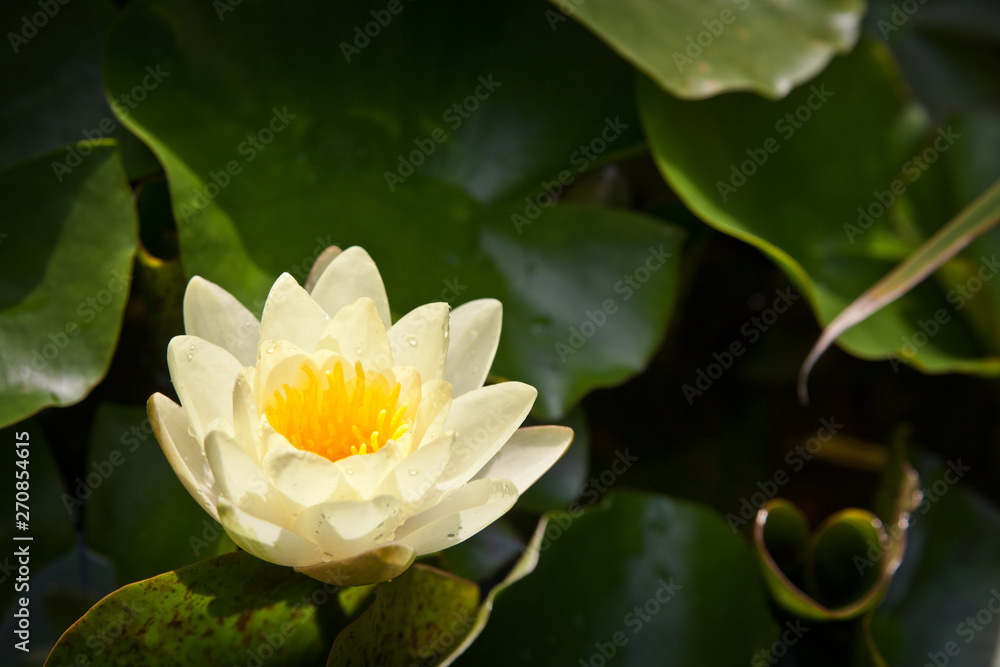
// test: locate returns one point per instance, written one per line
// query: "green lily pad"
(270, 160)
(630, 578)
(67, 258)
(53, 88)
(228, 609)
(943, 603)
(801, 179)
(699, 49)
(415, 618)
(164, 528)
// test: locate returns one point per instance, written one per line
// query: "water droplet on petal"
(359, 350)
(190, 357)
(349, 471)
(412, 340)
(413, 472)
(451, 536)
(191, 431)
(191, 348)
(270, 349)
(327, 557)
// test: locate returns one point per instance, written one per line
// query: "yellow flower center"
(342, 418)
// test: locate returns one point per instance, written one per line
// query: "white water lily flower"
(328, 439)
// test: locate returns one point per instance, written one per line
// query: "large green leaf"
(272, 158)
(801, 178)
(136, 511)
(229, 609)
(67, 260)
(699, 49)
(52, 88)
(648, 579)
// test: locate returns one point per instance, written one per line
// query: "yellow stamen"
(342, 418)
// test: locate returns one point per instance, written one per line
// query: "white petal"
(415, 476)
(291, 314)
(475, 334)
(185, 454)
(527, 455)
(372, 567)
(459, 516)
(410, 388)
(483, 420)
(279, 363)
(266, 540)
(306, 478)
(241, 481)
(420, 339)
(214, 314)
(356, 333)
(245, 417)
(350, 276)
(345, 529)
(435, 402)
(364, 472)
(203, 375)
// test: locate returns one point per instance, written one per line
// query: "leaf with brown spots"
(417, 618)
(229, 609)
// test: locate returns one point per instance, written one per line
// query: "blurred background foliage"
(671, 199)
